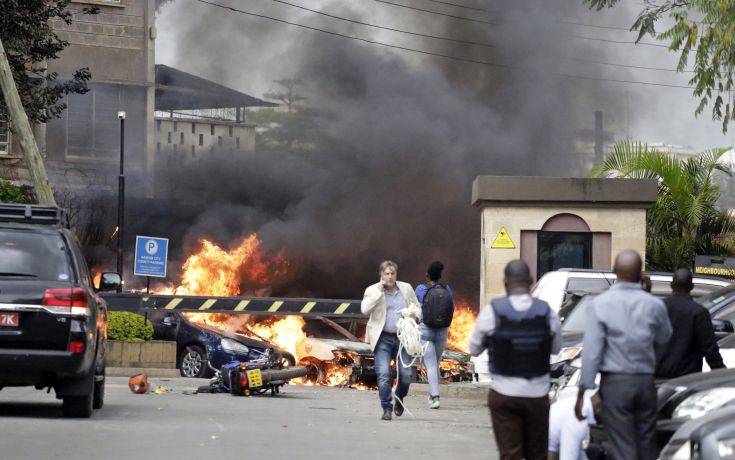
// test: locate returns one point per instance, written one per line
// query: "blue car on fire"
(200, 349)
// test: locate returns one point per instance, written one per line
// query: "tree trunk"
(22, 127)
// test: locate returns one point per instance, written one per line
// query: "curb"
(473, 391)
(151, 371)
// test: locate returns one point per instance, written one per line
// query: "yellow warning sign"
(503, 241)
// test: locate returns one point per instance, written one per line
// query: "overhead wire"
(423, 10)
(458, 5)
(429, 53)
(467, 42)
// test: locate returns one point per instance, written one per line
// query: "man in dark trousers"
(693, 337)
(520, 333)
(624, 326)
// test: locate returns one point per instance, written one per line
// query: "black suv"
(53, 325)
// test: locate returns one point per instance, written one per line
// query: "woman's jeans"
(386, 350)
(436, 341)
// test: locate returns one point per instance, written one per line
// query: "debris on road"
(138, 384)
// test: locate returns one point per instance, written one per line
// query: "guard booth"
(554, 223)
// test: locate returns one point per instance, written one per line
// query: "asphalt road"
(302, 422)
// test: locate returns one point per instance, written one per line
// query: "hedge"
(129, 327)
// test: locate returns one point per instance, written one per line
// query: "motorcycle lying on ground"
(251, 378)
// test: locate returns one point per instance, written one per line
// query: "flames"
(463, 323)
(286, 333)
(215, 271)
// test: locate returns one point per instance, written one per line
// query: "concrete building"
(554, 223)
(82, 147)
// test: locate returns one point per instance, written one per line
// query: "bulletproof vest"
(521, 343)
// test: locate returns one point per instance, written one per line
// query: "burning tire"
(315, 370)
(193, 362)
(287, 360)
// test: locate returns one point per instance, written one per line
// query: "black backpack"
(438, 307)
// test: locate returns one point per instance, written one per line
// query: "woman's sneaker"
(433, 402)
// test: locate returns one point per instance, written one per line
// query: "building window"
(219, 141)
(176, 126)
(4, 137)
(563, 250)
(158, 147)
(158, 125)
(169, 137)
(181, 141)
(201, 140)
(211, 129)
(237, 142)
(230, 131)
(193, 128)
(192, 152)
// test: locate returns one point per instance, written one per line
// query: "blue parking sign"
(151, 256)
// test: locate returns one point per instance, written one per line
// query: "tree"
(705, 28)
(685, 220)
(27, 33)
(288, 95)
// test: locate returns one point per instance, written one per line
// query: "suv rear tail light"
(76, 346)
(66, 301)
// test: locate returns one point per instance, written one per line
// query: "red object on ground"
(139, 384)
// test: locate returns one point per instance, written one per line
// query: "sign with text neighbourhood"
(715, 266)
(151, 255)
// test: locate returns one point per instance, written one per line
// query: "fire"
(285, 333)
(463, 323)
(215, 271)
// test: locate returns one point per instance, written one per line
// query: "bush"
(129, 327)
(10, 193)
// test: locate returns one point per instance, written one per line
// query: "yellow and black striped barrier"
(254, 305)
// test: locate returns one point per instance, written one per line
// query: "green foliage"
(705, 28)
(685, 220)
(26, 30)
(129, 327)
(10, 193)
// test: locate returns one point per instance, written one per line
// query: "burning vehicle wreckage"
(314, 348)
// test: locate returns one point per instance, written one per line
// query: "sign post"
(151, 257)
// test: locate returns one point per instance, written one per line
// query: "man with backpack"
(437, 309)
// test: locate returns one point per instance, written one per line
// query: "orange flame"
(463, 323)
(215, 271)
(285, 333)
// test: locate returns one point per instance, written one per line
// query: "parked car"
(557, 286)
(200, 348)
(53, 325)
(709, 437)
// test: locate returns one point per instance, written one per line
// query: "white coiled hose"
(409, 340)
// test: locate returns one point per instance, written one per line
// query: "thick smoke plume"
(408, 133)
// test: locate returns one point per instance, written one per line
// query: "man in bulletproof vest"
(520, 333)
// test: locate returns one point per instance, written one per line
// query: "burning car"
(200, 348)
(338, 357)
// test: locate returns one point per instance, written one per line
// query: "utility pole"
(22, 127)
(121, 200)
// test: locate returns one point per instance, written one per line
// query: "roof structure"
(178, 90)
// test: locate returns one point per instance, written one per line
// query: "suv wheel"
(193, 362)
(78, 406)
(99, 392)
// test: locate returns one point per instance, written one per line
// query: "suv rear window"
(589, 285)
(34, 255)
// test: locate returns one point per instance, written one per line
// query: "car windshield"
(712, 299)
(33, 255)
(576, 321)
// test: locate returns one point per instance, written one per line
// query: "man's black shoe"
(398, 408)
(386, 415)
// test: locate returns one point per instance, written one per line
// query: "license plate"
(8, 319)
(255, 378)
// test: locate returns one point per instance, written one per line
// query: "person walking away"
(624, 326)
(566, 432)
(693, 336)
(437, 309)
(520, 334)
(385, 302)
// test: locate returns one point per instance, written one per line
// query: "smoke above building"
(407, 132)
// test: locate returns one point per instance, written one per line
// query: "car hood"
(247, 341)
(703, 380)
(346, 345)
(456, 355)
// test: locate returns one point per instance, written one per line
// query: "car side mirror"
(109, 281)
(722, 327)
(169, 321)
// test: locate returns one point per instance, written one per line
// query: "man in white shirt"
(566, 432)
